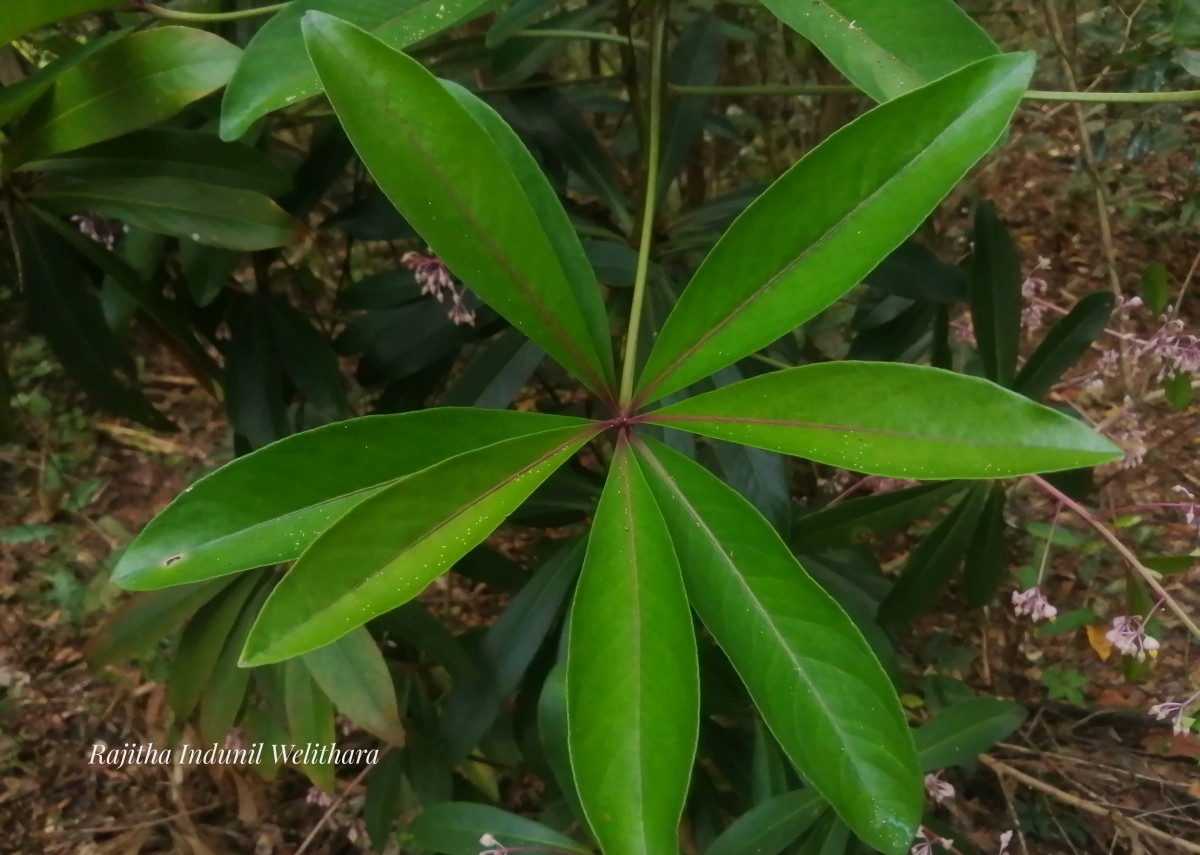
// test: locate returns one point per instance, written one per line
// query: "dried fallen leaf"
(1102, 646)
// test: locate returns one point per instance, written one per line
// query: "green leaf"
(20, 17)
(1177, 390)
(994, 288)
(132, 83)
(830, 837)
(886, 49)
(633, 684)
(1064, 344)
(987, 557)
(206, 213)
(506, 650)
(386, 549)
(470, 190)
(455, 828)
(809, 670)
(18, 97)
(961, 732)
(226, 691)
(893, 420)
(784, 260)
(931, 565)
(307, 357)
(695, 61)
(858, 520)
(169, 153)
(552, 731)
(382, 802)
(1170, 565)
(310, 720)
(496, 374)
(1155, 288)
(352, 672)
(144, 621)
(772, 826)
(201, 643)
(68, 313)
(275, 72)
(268, 506)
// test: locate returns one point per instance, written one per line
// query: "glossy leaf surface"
(857, 520)
(633, 694)
(809, 670)
(276, 72)
(206, 213)
(1065, 343)
(145, 620)
(987, 555)
(267, 506)
(132, 83)
(893, 420)
(786, 257)
(885, 48)
(352, 673)
(310, 719)
(450, 178)
(386, 549)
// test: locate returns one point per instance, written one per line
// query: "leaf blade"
(774, 269)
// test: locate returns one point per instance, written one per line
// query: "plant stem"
(1032, 94)
(204, 17)
(581, 35)
(653, 143)
(1147, 575)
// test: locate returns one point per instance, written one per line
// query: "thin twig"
(341, 797)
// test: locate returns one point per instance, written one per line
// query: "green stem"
(583, 35)
(654, 134)
(1032, 94)
(205, 17)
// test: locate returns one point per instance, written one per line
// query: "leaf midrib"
(702, 525)
(821, 240)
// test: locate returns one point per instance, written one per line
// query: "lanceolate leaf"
(809, 670)
(786, 257)
(206, 213)
(858, 520)
(633, 693)
(994, 285)
(450, 178)
(772, 826)
(986, 559)
(385, 550)
(18, 97)
(893, 420)
(18, 18)
(144, 621)
(1064, 344)
(351, 671)
(310, 719)
(455, 828)
(275, 71)
(268, 506)
(961, 732)
(132, 83)
(887, 49)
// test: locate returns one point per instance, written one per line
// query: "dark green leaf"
(465, 187)
(131, 83)
(772, 826)
(830, 837)
(633, 694)
(994, 286)
(275, 72)
(1171, 565)
(308, 358)
(506, 650)
(987, 556)
(351, 671)
(234, 519)
(310, 720)
(18, 97)
(892, 420)
(382, 801)
(1177, 390)
(887, 49)
(857, 520)
(496, 375)
(226, 689)
(401, 539)
(254, 394)
(695, 61)
(1155, 290)
(1065, 344)
(809, 670)
(206, 213)
(961, 732)
(784, 260)
(931, 565)
(145, 620)
(454, 828)
(20, 17)
(552, 730)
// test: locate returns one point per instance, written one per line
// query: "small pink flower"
(1128, 635)
(317, 797)
(435, 281)
(1174, 712)
(1033, 602)
(926, 840)
(495, 847)
(937, 789)
(1005, 840)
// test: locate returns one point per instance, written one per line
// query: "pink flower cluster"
(435, 281)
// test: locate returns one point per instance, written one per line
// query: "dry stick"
(1147, 575)
(341, 797)
(1003, 770)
